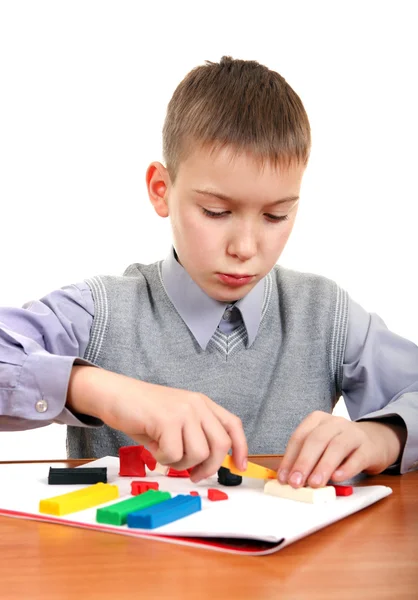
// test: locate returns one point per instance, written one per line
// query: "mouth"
(235, 279)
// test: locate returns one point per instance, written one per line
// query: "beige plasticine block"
(304, 494)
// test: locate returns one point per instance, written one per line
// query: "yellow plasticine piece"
(79, 500)
(252, 470)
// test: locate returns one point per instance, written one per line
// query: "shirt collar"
(200, 312)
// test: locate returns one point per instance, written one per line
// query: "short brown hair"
(236, 103)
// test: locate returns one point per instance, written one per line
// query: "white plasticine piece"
(161, 469)
(305, 494)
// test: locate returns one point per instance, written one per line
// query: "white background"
(83, 91)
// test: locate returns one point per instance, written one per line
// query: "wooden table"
(372, 554)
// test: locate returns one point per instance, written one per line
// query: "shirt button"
(41, 406)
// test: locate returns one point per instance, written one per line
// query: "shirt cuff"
(41, 392)
(406, 409)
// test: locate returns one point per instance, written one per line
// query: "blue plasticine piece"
(165, 512)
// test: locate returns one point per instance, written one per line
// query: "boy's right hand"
(182, 429)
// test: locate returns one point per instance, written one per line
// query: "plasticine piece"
(343, 490)
(216, 495)
(166, 512)
(148, 459)
(304, 494)
(85, 475)
(131, 462)
(194, 493)
(225, 477)
(79, 500)
(174, 473)
(252, 470)
(116, 514)
(139, 487)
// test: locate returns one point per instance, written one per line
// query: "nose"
(243, 242)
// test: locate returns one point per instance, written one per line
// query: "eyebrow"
(208, 192)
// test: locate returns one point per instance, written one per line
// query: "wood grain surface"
(372, 554)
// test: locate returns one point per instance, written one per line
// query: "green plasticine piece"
(117, 514)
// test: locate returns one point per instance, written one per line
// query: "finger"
(339, 448)
(314, 446)
(353, 465)
(152, 447)
(235, 430)
(195, 445)
(296, 442)
(168, 444)
(143, 440)
(219, 443)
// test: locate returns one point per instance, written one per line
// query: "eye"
(214, 215)
(277, 219)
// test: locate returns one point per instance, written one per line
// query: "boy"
(216, 346)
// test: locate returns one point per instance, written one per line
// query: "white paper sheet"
(247, 514)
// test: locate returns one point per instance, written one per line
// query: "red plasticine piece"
(215, 495)
(343, 490)
(175, 473)
(148, 459)
(139, 487)
(194, 493)
(130, 461)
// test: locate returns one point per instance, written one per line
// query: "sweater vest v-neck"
(293, 367)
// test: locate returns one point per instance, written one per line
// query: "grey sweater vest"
(293, 367)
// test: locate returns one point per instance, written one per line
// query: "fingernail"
(296, 478)
(339, 473)
(283, 475)
(316, 479)
(244, 464)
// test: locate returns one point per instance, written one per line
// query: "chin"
(228, 295)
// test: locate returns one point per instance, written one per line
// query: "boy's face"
(230, 218)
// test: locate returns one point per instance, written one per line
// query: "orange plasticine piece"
(252, 470)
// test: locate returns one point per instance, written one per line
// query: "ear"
(158, 184)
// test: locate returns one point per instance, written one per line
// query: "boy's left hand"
(325, 447)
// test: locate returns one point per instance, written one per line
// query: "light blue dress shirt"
(48, 336)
